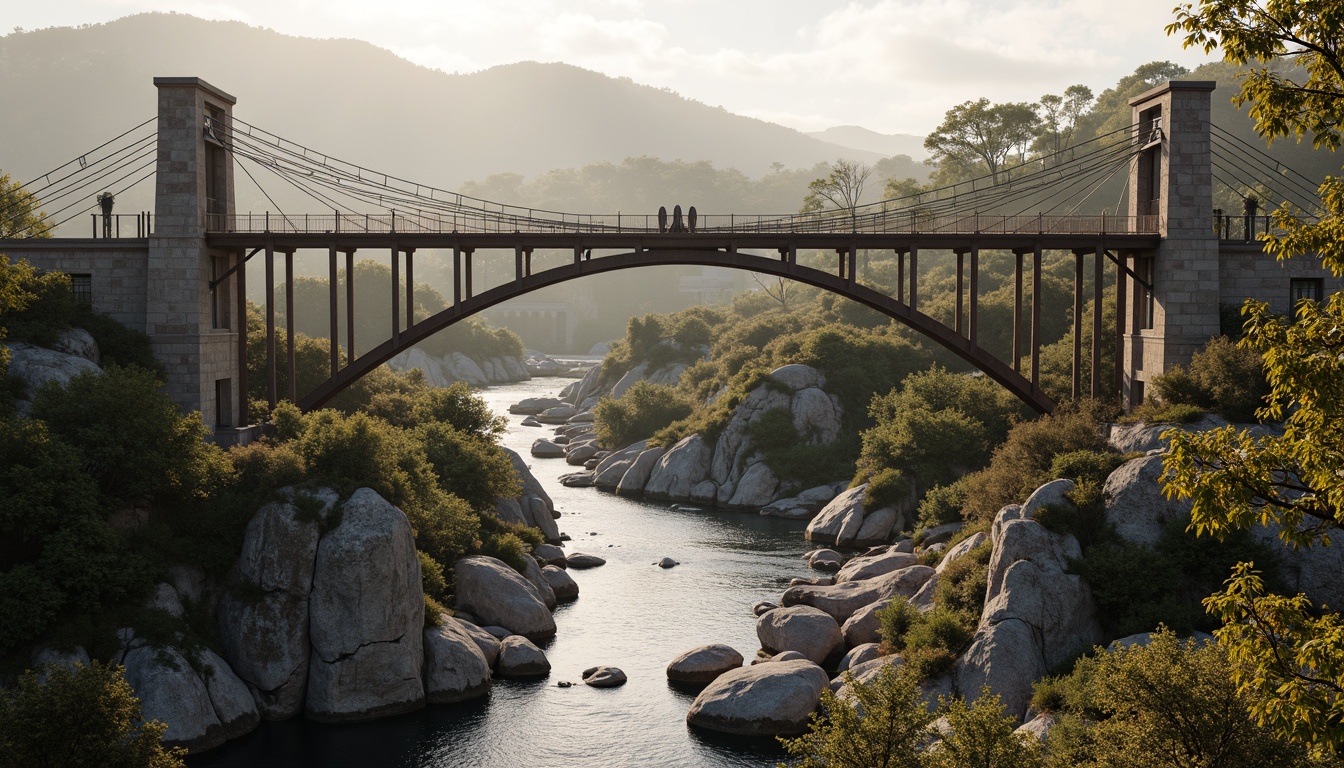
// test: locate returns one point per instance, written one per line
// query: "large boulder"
(520, 658)
(680, 469)
(842, 600)
(498, 595)
(562, 584)
(1135, 504)
(540, 584)
(761, 700)
(367, 615)
(961, 549)
(703, 664)
(1037, 615)
(863, 625)
(487, 643)
(35, 366)
(202, 709)
(80, 343)
(861, 568)
(1053, 494)
(809, 631)
(877, 527)
(756, 487)
(839, 521)
(263, 612)
(637, 476)
(534, 503)
(455, 667)
(610, 470)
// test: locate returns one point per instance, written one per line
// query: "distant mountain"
(68, 89)
(864, 140)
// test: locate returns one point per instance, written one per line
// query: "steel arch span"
(845, 286)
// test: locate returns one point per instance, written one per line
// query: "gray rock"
(367, 615)
(816, 416)
(756, 487)
(858, 655)
(500, 596)
(861, 628)
(680, 469)
(637, 476)
(811, 632)
(1052, 494)
(1135, 504)
(263, 613)
(611, 469)
(827, 560)
(798, 376)
(550, 554)
(865, 672)
(485, 642)
(78, 342)
(562, 584)
(455, 667)
(705, 492)
(861, 568)
(1002, 518)
(787, 656)
(540, 585)
(189, 581)
(519, 658)
(235, 707)
(840, 521)
(961, 549)
(603, 677)
(547, 449)
(667, 562)
(580, 561)
(703, 664)
(166, 599)
(35, 366)
(1006, 657)
(762, 607)
(172, 692)
(1142, 438)
(557, 415)
(762, 700)
(923, 599)
(1038, 727)
(47, 656)
(842, 600)
(941, 534)
(877, 527)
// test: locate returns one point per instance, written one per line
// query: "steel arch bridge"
(638, 249)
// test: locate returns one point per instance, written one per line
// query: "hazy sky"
(890, 65)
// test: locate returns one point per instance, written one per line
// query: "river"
(630, 614)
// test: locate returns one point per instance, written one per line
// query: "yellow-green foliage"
(87, 716)
(644, 409)
(1222, 377)
(1170, 704)
(882, 726)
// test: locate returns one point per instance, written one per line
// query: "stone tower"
(193, 326)
(1177, 311)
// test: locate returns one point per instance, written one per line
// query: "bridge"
(181, 273)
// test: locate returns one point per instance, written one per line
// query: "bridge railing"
(892, 222)
(122, 225)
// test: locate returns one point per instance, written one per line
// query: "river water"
(630, 614)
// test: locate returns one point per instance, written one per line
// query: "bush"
(87, 716)
(134, 439)
(883, 725)
(961, 585)
(894, 621)
(887, 488)
(474, 468)
(1086, 466)
(1223, 376)
(942, 504)
(1169, 703)
(1137, 588)
(981, 735)
(643, 410)
(1024, 461)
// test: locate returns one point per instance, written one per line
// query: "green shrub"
(432, 580)
(1086, 466)
(887, 488)
(87, 716)
(1153, 412)
(942, 504)
(1223, 376)
(475, 469)
(941, 628)
(117, 344)
(1024, 461)
(884, 725)
(642, 411)
(894, 621)
(961, 585)
(1169, 703)
(136, 441)
(982, 735)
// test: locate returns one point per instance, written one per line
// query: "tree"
(1290, 654)
(19, 214)
(983, 736)
(1060, 117)
(981, 132)
(87, 716)
(882, 725)
(839, 190)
